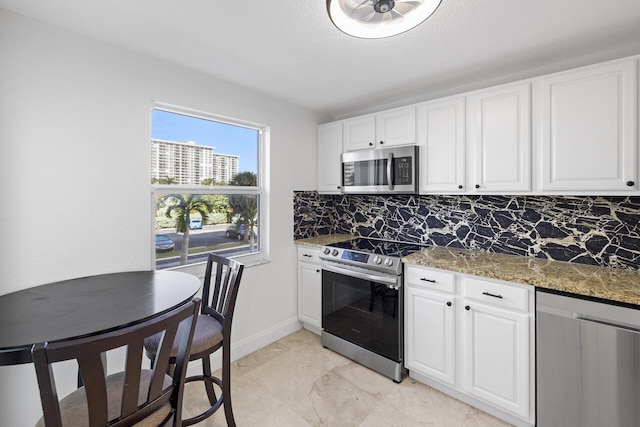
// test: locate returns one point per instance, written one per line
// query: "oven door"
(364, 308)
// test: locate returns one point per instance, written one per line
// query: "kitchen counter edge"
(616, 285)
(323, 240)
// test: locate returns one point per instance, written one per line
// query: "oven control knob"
(334, 252)
(377, 259)
(388, 262)
(326, 251)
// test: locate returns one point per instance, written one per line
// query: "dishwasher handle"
(590, 311)
(606, 323)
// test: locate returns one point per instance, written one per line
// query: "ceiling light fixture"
(374, 19)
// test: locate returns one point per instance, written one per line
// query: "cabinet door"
(500, 138)
(359, 133)
(329, 151)
(430, 334)
(396, 127)
(310, 294)
(441, 140)
(497, 356)
(588, 128)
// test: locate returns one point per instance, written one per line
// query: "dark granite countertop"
(323, 240)
(612, 284)
(598, 282)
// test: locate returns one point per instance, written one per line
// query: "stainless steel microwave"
(382, 171)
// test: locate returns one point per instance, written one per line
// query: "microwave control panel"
(402, 173)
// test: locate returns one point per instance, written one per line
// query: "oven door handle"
(391, 280)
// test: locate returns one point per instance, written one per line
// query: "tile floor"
(296, 382)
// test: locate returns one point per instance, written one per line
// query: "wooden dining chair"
(144, 397)
(213, 331)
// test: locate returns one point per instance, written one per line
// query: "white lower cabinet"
(497, 357)
(309, 288)
(431, 349)
(473, 339)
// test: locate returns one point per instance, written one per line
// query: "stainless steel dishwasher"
(588, 363)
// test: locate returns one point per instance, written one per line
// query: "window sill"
(198, 269)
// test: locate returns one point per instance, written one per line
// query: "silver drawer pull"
(427, 280)
(492, 295)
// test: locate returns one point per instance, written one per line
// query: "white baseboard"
(488, 408)
(312, 328)
(248, 345)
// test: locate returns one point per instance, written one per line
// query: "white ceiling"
(290, 49)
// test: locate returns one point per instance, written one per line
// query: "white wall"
(74, 175)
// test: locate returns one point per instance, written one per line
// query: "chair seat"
(74, 411)
(208, 334)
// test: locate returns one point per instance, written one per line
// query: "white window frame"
(262, 189)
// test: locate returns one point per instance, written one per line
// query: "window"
(207, 181)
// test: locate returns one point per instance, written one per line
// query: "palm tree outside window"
(206, 186)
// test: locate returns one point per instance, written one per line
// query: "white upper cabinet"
(573, 132)
(441, 138)
(360, 133)
(329, 151)
(396, 127)
(499, 132)
(387, 128)
(588, 128)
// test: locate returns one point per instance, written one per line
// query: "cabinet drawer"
(496, 294)
(308, 254)
(430, 279)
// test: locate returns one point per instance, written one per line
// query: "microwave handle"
(390, 171)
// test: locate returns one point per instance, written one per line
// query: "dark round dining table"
(86, 306)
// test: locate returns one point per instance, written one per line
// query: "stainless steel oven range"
(362, 302)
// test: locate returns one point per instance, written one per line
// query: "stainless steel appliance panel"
(384, 171)
(588, 363)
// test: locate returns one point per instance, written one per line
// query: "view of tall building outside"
(189, 163)
(196, 162)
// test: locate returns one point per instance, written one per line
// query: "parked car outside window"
(164, 243)
(237, 231)
(195, 224)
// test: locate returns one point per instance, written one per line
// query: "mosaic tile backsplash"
(593, 230)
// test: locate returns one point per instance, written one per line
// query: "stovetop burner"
(379, 247)
(373, 254)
